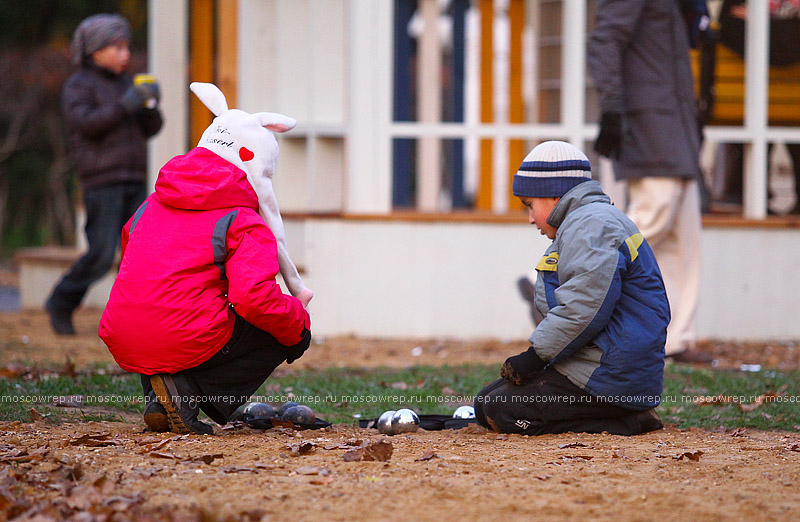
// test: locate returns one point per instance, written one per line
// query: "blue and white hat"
(550, 170)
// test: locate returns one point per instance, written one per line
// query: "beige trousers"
(667, 212)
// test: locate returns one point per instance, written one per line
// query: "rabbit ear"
(211, 97)
(275, 122)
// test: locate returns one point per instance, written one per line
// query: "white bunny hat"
(245, 140)
(242, 138)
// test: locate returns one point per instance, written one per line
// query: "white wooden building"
(430, 243)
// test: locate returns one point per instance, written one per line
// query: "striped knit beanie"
(96, 32)
(550, 170)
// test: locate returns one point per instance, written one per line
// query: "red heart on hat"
(246, 154)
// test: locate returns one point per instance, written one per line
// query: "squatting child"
(196, 309)
(596, 359)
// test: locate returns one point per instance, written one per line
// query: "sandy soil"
(113, 471)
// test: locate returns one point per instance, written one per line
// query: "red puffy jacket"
(194, 247)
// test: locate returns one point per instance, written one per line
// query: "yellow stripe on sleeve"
(548, 263)
(634, 242)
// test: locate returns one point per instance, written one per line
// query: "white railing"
(755, 132)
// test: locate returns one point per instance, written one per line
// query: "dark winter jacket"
(107, 145)
(638, 54)
(605, 308)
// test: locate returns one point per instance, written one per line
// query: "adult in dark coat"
(109, 120)
(638, 54)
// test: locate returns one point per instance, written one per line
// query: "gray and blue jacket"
(603, 300)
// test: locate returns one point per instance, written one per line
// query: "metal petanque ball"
(385, 422)
(285, 407)
(237, 414)
(299, 414)
(257, 411)
(404, 421)
(464, 412)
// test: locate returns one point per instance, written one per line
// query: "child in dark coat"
(109, 120)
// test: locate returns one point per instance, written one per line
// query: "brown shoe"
(649, 421)
(176, 395)
(155, 417)
(692, 357)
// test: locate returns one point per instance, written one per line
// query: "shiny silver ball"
(464, 412)
(257, 411)
(385, 422)
(404, 421)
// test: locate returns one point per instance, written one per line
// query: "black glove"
(522, 368)
(609, 140)
(150, 93)
(132, 101)
(295, 352)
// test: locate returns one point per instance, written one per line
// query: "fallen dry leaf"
(428, 455)
(353, 455)
(759, 401)
(794, 447)
(307, 470)
(572, 445)
(94, 440)
(35, 415)
(162, 455)
(13, 371)
(237, 469)
(577, 457)
(380, 450)
(304, 448)
(691, 455)
(69, 369)
(208, 459)
(23, 455)
(121, 503)
(320, 481)
(618, 454)
(159, 445)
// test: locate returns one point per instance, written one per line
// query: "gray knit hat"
(550, 170)
(96, 32)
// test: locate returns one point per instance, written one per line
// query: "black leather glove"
(522, 368)
(295, 352)
(609, 140)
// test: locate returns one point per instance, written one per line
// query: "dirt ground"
(114, 471)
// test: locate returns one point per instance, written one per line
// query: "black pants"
(107, 210)
(550, 404)
(234, 373)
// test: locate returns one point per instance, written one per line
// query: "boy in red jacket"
(196, 309)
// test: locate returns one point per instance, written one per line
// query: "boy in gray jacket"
(596, 360)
